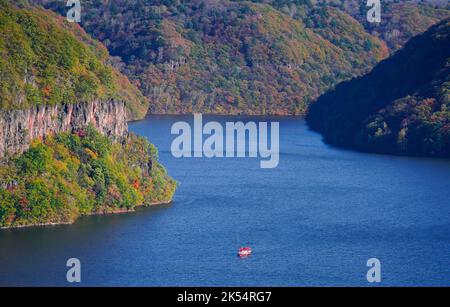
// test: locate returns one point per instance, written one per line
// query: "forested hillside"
(65, 150)
(229, 57)
(47, 61)
(401, 107)
(74, 174)
(400, 19)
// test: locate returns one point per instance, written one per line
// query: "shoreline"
(243, 116)
(103, 213)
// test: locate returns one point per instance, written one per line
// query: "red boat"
(244, 252)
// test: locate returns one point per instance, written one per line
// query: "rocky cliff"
(19, 127)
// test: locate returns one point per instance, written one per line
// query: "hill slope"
(47, 61)
(401, 107)
(65, 150)
(400, 19)
(71, 175)
(228, 57)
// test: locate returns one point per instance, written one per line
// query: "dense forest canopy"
(400, 19)
(229, 56)
(46, 60)
(401, 107)
(74, 174)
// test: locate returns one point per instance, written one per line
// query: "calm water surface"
(314, 220)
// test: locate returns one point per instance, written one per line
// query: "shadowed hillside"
(401, 107)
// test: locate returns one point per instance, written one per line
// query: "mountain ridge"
(227, 57)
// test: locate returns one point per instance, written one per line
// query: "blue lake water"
(315, 220)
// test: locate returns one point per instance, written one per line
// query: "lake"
(314, 220)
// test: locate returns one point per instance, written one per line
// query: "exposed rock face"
(19, 127)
